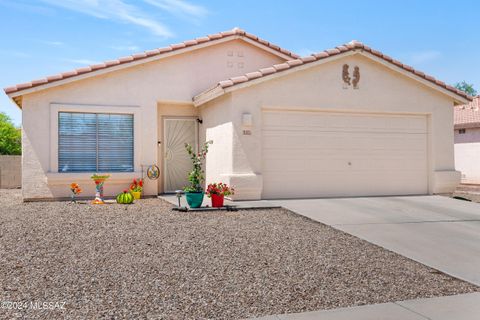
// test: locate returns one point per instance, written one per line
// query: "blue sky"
(44, 37)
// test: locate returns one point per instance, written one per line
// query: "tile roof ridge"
(147, 54)
(352, 45)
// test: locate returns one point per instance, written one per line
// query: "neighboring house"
(467, 141)
(347, 121)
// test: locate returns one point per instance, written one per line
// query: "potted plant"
(217, 192)
(194, 192)
(76, 190)
(136, 188)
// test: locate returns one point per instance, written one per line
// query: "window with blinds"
(95, 142)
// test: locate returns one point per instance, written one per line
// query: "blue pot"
(194, 199)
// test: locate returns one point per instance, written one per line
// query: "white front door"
(177, 163)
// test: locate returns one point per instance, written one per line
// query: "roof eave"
(118, 66)
(17, 100)
(208, 95)
(467, 125)
(458, 99)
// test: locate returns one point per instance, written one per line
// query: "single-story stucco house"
(467, 141)
(348, 121)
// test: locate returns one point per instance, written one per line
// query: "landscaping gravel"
(146, 261)
(472, 196)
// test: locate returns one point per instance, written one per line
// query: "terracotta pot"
(217, 200)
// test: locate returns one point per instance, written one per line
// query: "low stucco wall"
(10, 172)
(467, 154)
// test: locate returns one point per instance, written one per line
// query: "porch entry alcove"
(176, 162)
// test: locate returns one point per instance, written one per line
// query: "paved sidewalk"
(459, 307)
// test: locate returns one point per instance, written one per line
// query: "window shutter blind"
(77, 142)
(95, 142)
(115, 142)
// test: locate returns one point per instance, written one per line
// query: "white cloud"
(26, 7)
(14, 53)
(424, 56)
(115, 10)
(52, 43)
(180, 7)
(81, 61)
(305, 52)
(125, 48)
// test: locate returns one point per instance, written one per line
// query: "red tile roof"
(467, 115)
(329, 53)
(147, 54)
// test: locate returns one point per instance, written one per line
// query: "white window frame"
(55, 108)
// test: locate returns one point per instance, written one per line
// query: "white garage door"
(322, 154)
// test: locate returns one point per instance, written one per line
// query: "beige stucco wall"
(467, 154)
(152, 90)
(382, 90)
(10, 171)
(219, 127)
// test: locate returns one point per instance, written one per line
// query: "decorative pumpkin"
(125, 197)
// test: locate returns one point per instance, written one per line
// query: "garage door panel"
(337, 122)
(327, 185)
(369, 159)
(355, 153)
(339, 140)
(341, 164)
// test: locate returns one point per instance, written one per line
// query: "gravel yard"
(145, 261)
(474, 197)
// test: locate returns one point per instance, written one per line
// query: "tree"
(10, 136)
(466, 87)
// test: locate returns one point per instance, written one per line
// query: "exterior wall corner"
(445, 181)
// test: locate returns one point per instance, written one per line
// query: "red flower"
(137, 185)
(219, 189)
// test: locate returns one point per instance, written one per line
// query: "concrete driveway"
(437, 231)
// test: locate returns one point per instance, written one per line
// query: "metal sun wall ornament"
(347, 80)
(153, 172)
